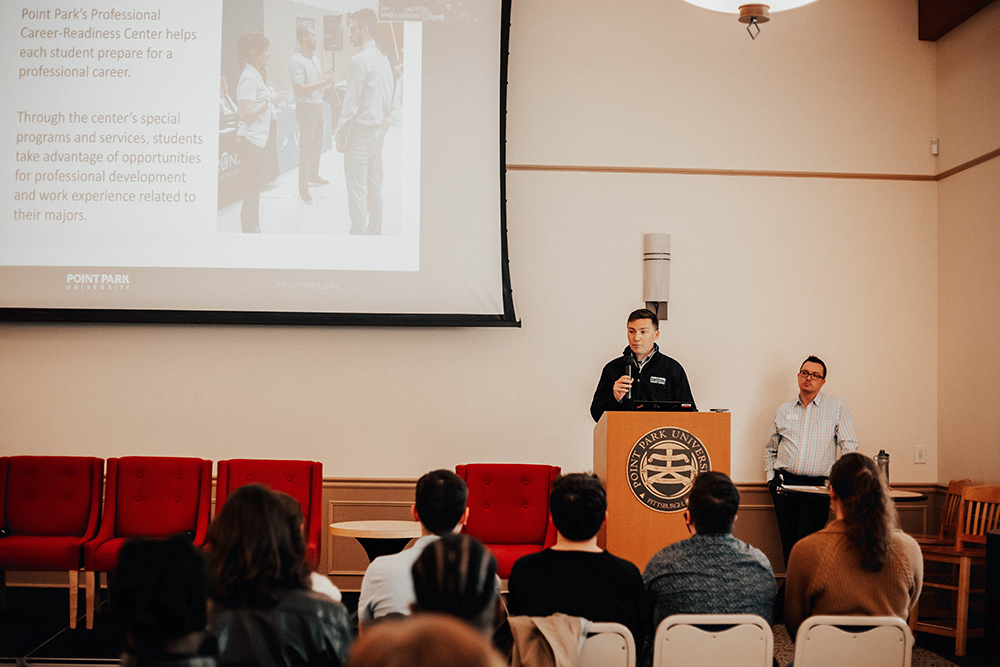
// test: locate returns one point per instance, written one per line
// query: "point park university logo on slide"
(663, 464)
(104, 282)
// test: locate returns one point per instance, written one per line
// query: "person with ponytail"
(861, 564)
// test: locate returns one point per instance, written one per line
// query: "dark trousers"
(252, 174)
(798, 514)
(310, 118)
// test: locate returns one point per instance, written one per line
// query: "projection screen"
(255, 161)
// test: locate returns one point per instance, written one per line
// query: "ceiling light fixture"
(753, 14)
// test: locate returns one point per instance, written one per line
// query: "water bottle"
(882, 461)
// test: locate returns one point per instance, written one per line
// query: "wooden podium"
(647, 461)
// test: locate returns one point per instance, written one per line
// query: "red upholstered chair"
(147, 496)
(302, 480)
(509, 508)
(49, 506)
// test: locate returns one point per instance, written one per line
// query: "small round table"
(898, 495)
(378, 537)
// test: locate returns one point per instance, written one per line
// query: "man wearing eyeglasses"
(805, 437)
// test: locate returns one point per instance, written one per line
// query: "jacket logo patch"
(656, 380)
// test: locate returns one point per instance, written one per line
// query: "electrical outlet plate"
(920, 453)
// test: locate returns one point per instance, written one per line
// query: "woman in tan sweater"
(861, 564)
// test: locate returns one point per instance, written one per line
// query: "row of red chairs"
(54, 519)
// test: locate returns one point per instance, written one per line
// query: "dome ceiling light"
(753, 14)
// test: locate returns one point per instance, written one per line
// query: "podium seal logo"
(662, 466)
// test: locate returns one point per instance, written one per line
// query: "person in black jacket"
(575, 576)
(642, 373)
(265, 612)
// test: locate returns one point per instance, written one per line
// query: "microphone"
(628, 367)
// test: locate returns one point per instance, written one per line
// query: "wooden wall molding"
(968, 165)
(718, 172)
(357, 499)
(602, 169)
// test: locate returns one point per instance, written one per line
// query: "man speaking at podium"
(642, 373)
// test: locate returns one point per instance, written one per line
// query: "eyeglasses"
(805, 375)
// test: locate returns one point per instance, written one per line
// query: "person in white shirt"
(441, 508)
(256, 102)
(227, 107)
(806, 437)
(308, 82)
(364, 120)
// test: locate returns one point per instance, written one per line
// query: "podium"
(647, 461)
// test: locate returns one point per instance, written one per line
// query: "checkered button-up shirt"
(804, 440)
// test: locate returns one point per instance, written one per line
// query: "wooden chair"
(733, 640)
(49, 507)
(949, 515)
(302, 480)
(859, 641)
(509, 508)
(979, 513)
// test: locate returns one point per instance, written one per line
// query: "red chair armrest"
(107, 523)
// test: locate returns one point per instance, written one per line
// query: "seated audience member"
(424, 640)
(711, 572)
(861, 564)
(457, 575)
(265, 611)
(440, 507)
(575, 576)
(317, 581)
(161, 589)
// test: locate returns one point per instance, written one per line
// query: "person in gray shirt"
(308, 82)
(711, 572)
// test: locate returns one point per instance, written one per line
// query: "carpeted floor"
(34, 630)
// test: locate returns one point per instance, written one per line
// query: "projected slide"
(256, 156)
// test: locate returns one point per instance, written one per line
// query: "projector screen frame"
(313, 318)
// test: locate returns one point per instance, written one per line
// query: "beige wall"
(838, 85)
(969, 249)
(969, 347)
(765, 270)
(968, 72)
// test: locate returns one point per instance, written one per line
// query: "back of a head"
(578, 504)
(456, 575)
(292, 507)
(713, 503)
(366, 17)
(301, 33)
(257, 548)
(249, 45)
(423, 640)
(160, 589)
(441, 498)
(868, 511)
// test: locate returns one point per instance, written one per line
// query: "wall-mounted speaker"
(333, 32)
